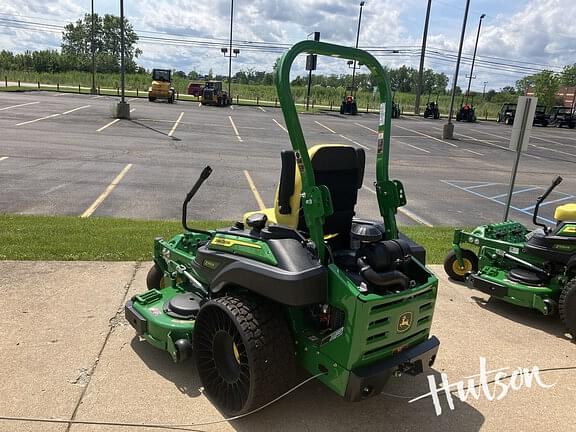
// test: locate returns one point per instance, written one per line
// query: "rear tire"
(567, 306)
(244, 352)
(453, 269)
(151, 99)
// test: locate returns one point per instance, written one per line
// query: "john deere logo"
(404, 322)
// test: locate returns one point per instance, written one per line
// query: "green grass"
(265, 94)
(70, 238)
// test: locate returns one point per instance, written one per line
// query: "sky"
(518, 37)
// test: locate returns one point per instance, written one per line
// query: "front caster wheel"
(155, 278)
(244, 352)
(454, 270)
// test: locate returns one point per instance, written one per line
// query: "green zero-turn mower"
(302, 284)
(534, 269)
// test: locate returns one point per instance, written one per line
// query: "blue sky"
(529, 35)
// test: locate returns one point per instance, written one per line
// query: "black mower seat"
(527, 277)
(339, 167)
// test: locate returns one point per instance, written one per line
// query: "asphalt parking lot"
(64, 154)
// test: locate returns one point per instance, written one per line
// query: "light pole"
(474, 55)
(230, 56)
(92, 48)
(123, 108)
(422, 55)
(448, 129)
(357, 37)
(484, 89)
(233, 53)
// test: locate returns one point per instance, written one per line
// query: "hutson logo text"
(492, 384)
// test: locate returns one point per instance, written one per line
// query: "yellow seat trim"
(291, 219)
(566, 212)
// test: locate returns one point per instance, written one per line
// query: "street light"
(422, 55)
(92, 48)
(357, 37)
(484, 89)
(123, 108)
(474, 56)
(448, 129)
(235, 51)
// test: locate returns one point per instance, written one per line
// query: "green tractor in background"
(303, 284)
(534, 269)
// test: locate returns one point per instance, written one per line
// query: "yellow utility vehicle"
(161, 87)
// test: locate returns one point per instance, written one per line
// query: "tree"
(522, 85)
(568, 75)
(546, 85)
(76, 41)
(508, 89)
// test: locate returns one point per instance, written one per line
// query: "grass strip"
(70, 238)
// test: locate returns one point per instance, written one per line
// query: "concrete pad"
(137, 383)
(55, 319)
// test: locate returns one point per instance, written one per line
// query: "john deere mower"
(304, 284)
(212, 94)
(466, 113)
(349, 105)
(534, 269)
(161, 87)
(432, 111)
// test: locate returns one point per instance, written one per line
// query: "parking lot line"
(567, 197)
(410, 145)
(366, 127)
(357, 143)
(97, 97)
(553, 150)
(254, 190)
(76, 109)
(426, 135)
(482, 141)
(235, 129)
(3, 158)
(324, 126)
(405, 212)
(262, 109)
(106, 192)
(552, 142)
(524, 211)
(176, 124)
(107, 125)
(280, 126)
(472, 151)
(38, 119)
(515, 192)
(19, 105)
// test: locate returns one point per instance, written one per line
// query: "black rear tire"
(244, 352)
(567, 306)
(155, 278)
(453, 269)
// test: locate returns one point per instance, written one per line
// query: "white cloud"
(540, 31)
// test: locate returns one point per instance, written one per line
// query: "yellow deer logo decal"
(404, 322)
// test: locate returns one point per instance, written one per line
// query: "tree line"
(76, 49)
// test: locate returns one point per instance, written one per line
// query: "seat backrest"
(340, 168)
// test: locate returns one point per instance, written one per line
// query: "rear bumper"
(367, 381)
